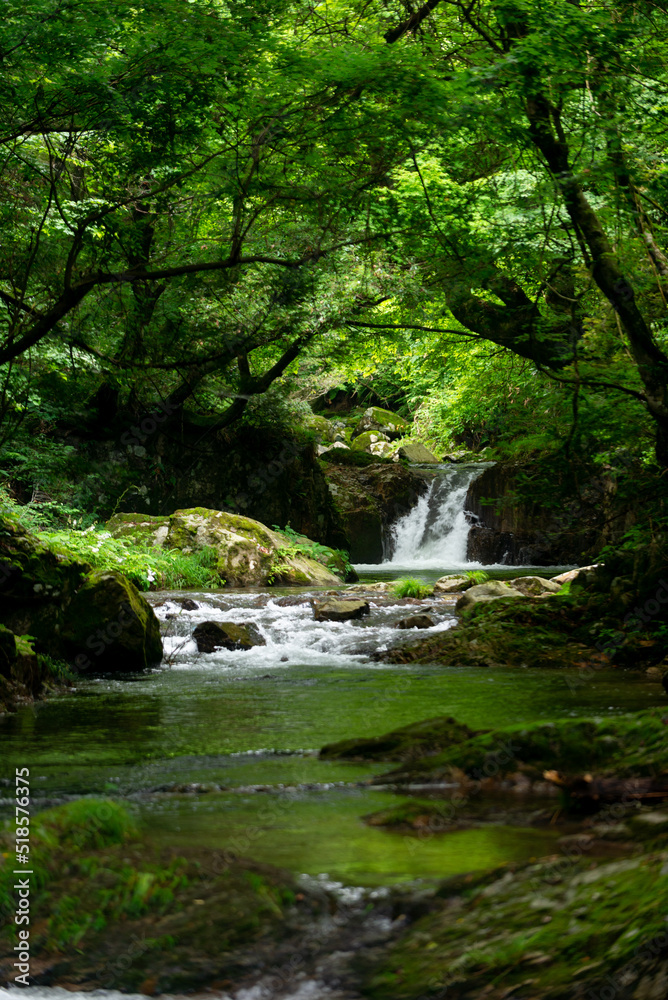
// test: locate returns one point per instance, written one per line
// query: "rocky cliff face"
(509, 527)
(370, 499)
(189, 462)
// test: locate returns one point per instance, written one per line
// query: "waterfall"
(434, 534)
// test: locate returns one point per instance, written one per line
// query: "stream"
(220, 750)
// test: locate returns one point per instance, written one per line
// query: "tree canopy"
(201, 200)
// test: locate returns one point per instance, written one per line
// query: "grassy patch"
(411, 587)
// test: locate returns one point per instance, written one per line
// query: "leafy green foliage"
(147, 566)
(336, 560)
(477, 575)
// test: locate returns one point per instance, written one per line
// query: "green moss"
(420, 739)
(563, 930)
(625, 746)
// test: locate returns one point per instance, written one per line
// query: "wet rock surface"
(371, 498)
(416, 621)
(340, 611)
(210, 636)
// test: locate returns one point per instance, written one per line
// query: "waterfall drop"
(434, 534)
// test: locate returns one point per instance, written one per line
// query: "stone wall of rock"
(509, 527)
(186, 461)
(369, 499)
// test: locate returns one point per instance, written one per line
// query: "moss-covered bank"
(563, 929)
(630, 746)
(108, 911)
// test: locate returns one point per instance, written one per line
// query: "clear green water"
(240, 720)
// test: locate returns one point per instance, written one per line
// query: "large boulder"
(248, 553)
(21, 673)
(484, 592)
(95, 620)
(384, 421)
(340, 611)
(210, 636)
(110, 627)
(452, 584)
(417, 454)
(534, 586)
(370, 499)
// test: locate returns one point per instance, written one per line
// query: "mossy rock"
(21, 670)
(111, 912)
(322, 428)
(364, 441)
(148, 528)
(531, 632)
(630, 746)
(109, 626)
(249, 553)
(567, 929)
(32, 571)
(420, 739)
(485, 592)
(210, 636)
(377, 419)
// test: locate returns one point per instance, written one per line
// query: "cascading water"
(434, 534)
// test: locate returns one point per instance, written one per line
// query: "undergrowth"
(336, 560)
(147, 566)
